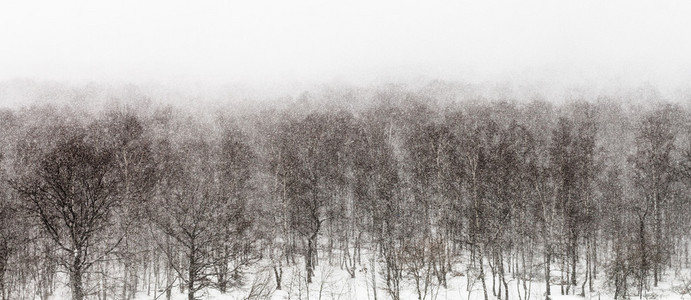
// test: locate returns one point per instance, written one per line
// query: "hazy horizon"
(274, 48)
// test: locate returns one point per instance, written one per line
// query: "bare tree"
(312, 168)
(655, 174)
(234, 168)
(72, 192)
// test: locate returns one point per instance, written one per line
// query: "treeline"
(415, 190)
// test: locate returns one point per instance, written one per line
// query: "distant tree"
(654, 173)
(622, 219)
(189, 211)
(234, 168)
(572, 153)
(415, 181)
(135, 167)
(313, 156)
(473, 136)
(12, 232)
(428, 147)
(510, 155)
(72, 193)
(10, 228)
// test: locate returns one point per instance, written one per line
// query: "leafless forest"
(409, 188)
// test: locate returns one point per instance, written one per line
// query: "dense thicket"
(416, 187)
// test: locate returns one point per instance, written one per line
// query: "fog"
(365, 149)
(288, 46)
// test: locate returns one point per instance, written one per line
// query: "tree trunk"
(658, 239)
(222, 283)
(3, 263)
(502, 276)
(594, 273)
(686, 254)
(308, 261)
(134, 280)
(169, 281)
(548, 259)
(169, 271)
(374, 274)
(124, 281)
(644, 261)
(76, 282)
(223, 270)
(191, 273)
(147, 277)
(563, 266)
(592, 250)
(278, 272)
(494, 274)
(482, 276)
(574, 258)
(104, 280)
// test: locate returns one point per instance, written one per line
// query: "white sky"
(352, 41)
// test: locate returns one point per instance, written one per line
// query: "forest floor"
(331, 282)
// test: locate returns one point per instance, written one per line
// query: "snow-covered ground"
(332, 282)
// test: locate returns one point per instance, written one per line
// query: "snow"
(332, 282)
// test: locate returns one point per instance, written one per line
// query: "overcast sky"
(352, 41)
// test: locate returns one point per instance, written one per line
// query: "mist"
(272, 48)
(396, 150)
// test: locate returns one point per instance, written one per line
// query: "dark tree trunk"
(574, 258)
(278, 272)
(191, 275)
(644, 253)
(658, 241)
(548, 260)
(482, 277)
(309, 258)
(124, 281)
(502, 276)
(76, 283)
(3, 268)
(222, 283)
(104, 280)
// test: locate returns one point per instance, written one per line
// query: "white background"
(345, 41)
